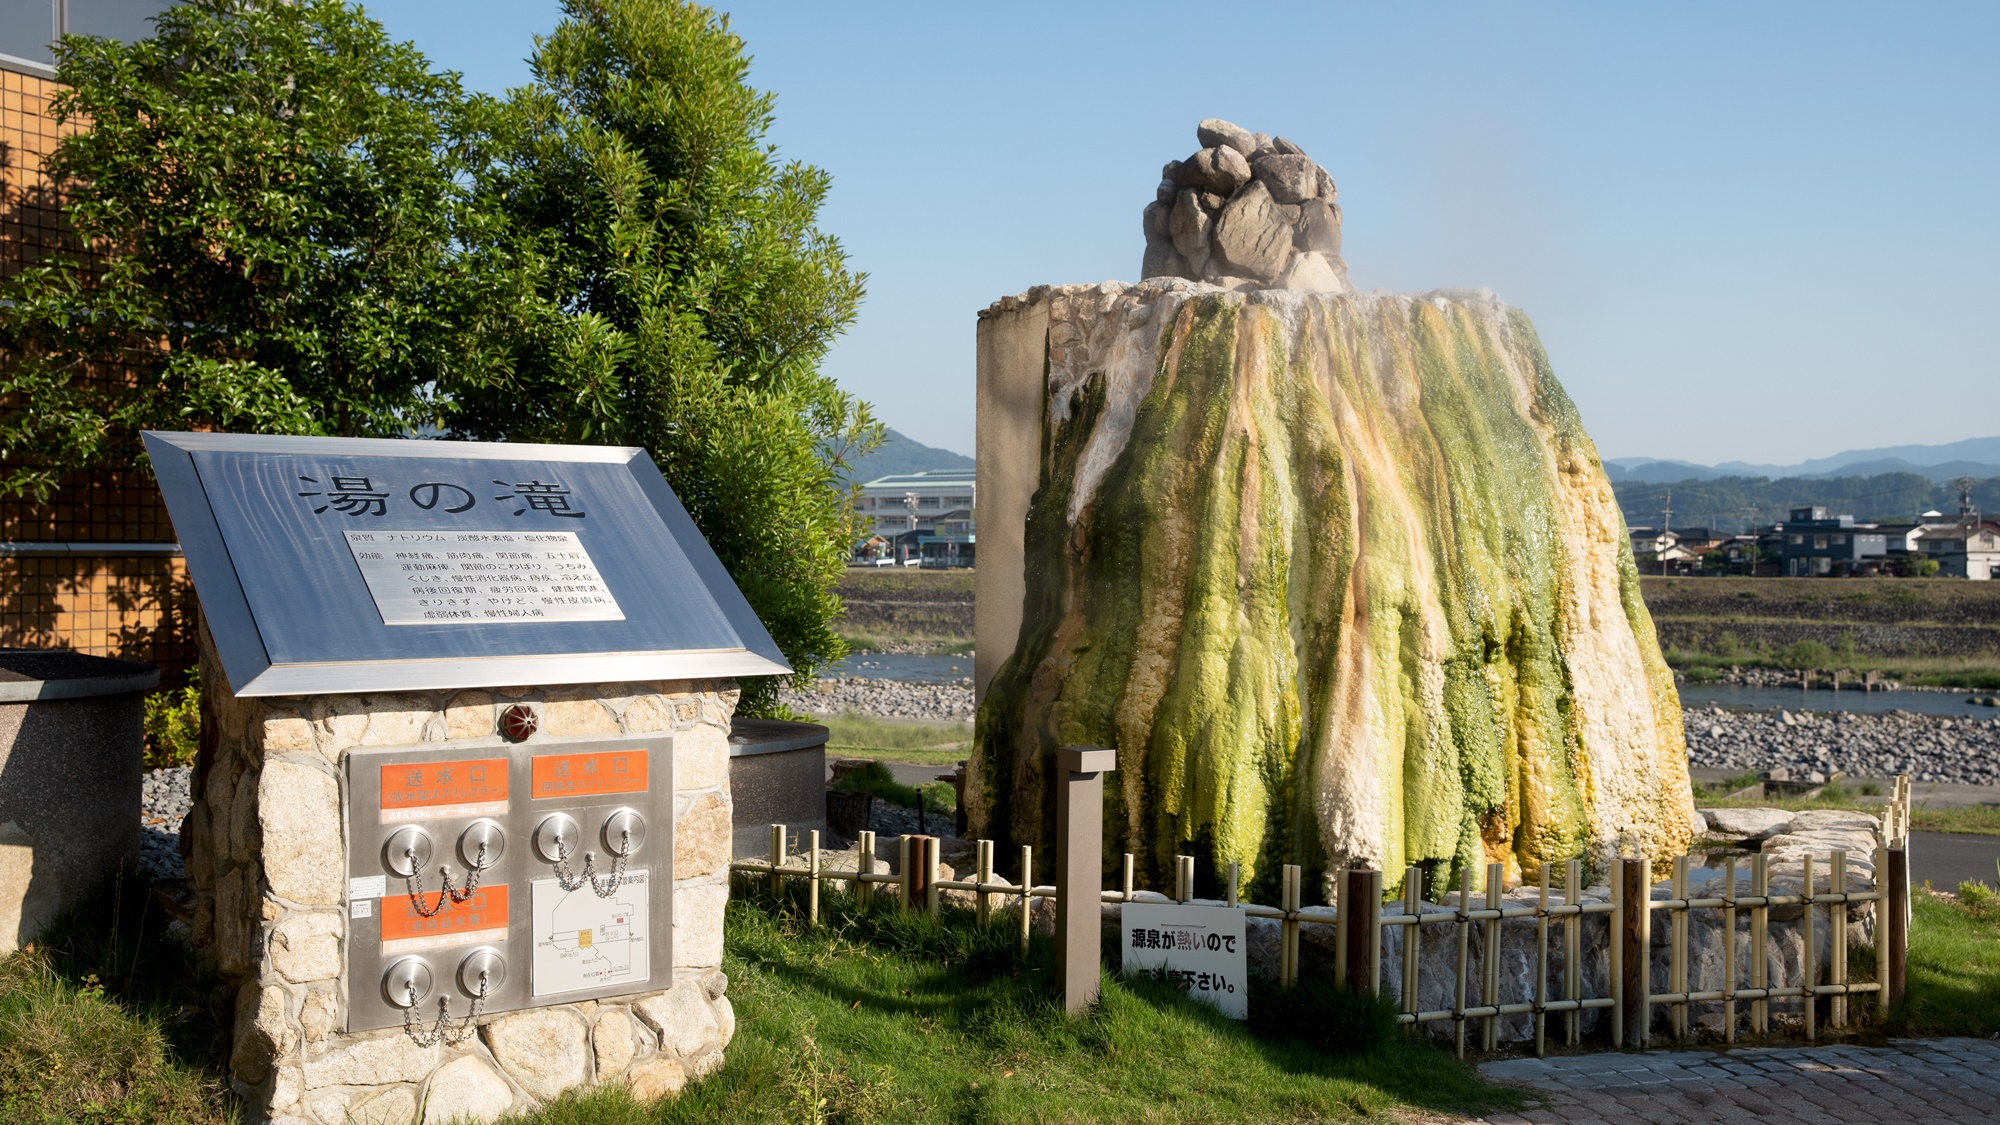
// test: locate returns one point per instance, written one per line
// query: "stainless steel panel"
(449, 952)
(262, 520)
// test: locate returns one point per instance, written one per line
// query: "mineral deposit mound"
(1337, 575)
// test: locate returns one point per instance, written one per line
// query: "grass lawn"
(864, 736)
(110, 1025)
(899, 1018)
(1954, 967)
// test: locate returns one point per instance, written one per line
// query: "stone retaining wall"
(266, 866)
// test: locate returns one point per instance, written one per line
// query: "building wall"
(103, 592)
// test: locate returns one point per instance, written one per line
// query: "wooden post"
(1573, 950)
(1677, 951)
(1809, 960)
(1636, 938)
(1361, 890)
(1729, 950)
(1542, 966)
(906, 869)
(1079, 870)
(1837, 929)
(1896, 949)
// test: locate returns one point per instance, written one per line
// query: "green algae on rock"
(1341, 580)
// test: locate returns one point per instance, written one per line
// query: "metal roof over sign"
(355, 564)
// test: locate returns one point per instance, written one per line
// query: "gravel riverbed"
(1927, 747)
(894, 699)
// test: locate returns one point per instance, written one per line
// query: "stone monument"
(1338, 576)
(461, 829)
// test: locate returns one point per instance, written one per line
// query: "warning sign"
(481, 918)
(589, 775)
(584, 941)
(430, 790)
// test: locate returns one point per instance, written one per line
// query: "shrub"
(173, 724)
(1808, 654)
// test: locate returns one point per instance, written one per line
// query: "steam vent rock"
(1246, 211)
(1338, 576)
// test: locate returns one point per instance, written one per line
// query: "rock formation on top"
(1246, 211)
(1338, 576)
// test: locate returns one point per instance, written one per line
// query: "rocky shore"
(1927, 747)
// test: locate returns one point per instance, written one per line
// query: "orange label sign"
(589, 775)
(428, 790)
(483, 917)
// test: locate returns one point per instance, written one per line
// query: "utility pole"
(1666, 528)
(1967, 514)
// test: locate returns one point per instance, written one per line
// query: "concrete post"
(1079, 876)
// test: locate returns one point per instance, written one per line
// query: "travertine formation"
(1246, 211)
(265, 864)
(1338, 576)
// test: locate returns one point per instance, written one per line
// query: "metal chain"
(414, 883)
(442, 1031)
(617, 867)
(571, 881)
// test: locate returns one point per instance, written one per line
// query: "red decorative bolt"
(518, 722)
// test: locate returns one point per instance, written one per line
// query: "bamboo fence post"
(777, 858)
(1881, 908)
(1573, 949)
(864, 865)
(812, 881)
(1542, 966)
(1809, 961)
(907, 870)
(983, 902)
(1837, 932)
(1729, 950)
(928, 864)
(1760, 930)
(1413, 904)
(1126, 886)
(1677, 951)
(1288, 928)
(1464, 956)
(1027, 895)
(1489, 990)
(1636, 934)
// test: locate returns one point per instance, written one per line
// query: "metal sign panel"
(1199, 949)
(348, 565)
(547, 864)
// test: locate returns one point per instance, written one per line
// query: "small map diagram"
(582, 941)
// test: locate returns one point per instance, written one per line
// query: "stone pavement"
(1908, 1081)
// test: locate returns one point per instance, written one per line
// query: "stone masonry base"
(266, 867)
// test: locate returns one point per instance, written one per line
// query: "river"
(1734, 697)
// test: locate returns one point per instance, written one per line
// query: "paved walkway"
(1909, 1081)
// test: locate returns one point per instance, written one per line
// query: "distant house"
(1962, 550)
(1660, 551)
(924, 518)
(1817, 543)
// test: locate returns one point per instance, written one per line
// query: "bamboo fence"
(1557, 914)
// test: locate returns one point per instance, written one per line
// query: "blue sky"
(1760, 232)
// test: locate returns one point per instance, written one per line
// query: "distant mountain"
(899, 454)
(1973, 457)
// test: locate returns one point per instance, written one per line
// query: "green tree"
(280, 202)
(683, 298)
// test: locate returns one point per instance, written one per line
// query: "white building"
(923, 517)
